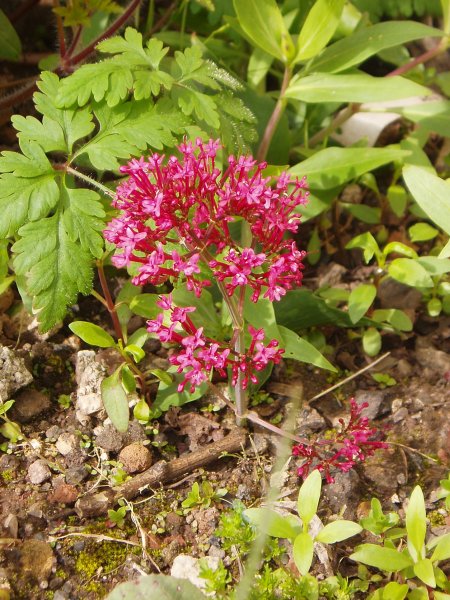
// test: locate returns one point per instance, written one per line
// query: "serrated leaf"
(385, 559)
(338, 531)
(84, 219)
(115, 401)
(308, 497)
(358, 87)
(56, 269)
(303, 552)
(360, 300)
(193, 102)
(92, 334)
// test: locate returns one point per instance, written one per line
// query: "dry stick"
(347, 379)
(92, 505)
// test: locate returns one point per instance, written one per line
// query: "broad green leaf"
(367, 243)
(92, 334)
(358, 87)
(168, 394)
(445, 252)
(394, 591)
(55, 267)
(135, 351)
(205, 314)
(422, 232)
(262, 316)
(432, 116)
(338, 531)
(258, 66)
(416, 523)
(442, 549)
(128, 380)
(420, 593)
(141, 411)
(431, 193)
(163, 376)
(303, 552)
(410, 272)
(318, 28)
(371, 341)
(145, 305)
(446, 14)
(160, 587)
(272, 523)
(399, 248)
(299, 349)
(367, 41)
(434, 265)
(434, 307)
(360, 300)
(308, 497)
(385, 559)
(263, 23)
(424, 571)
(396, 317)
(439, 596)
(366, 214)
(10, 46)
(115, 401)
(398, 199)
(332, 167)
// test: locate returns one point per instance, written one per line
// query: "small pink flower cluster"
(190, 203)
(353, 444)
(199, 354)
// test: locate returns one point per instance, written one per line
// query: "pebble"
(53, 432)
(188, 567)
(135, 458)
(37, 559)
(400, 415)
(64, 494)
(89, 376)
(29, 404)
(38, 472)
(374, 399)
(67, 443)
(13, 373)
(76, 475)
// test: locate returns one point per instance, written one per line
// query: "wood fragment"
(94, 505)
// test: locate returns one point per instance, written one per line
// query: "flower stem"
(89, 180)
(274, 118)
(240, 394)
(109, 301)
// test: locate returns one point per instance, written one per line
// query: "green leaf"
(410, 272)
(333, 167)
(135, 351)
(168, 394)
(394, 591)
(366, 42)
(318, 28)
(272, 523)
(434, 307)
(399, 248)
(366, 214)
(397, 318)
(262, 316)
(128, 380)
(358, 87)
(115, 401)
(338, 531)
(205, 314)
(161, 587)
(92, 334)
(10, 46)
(371, 341)
(446, 14)
(28, 190)
(416, 523)
(431, 193)
(303, 552)
(145, 305)
(55, 267)
(263, 23)
(84, 219)
(141, 411)
(162, 376)
(422, 232)
(360, 300)
(431, 116)
(308, 497)
(420, 593)
(442, 549)
(299, 349)
(385, 559)
(434, 265)
(367, 243)
(424, 571)
(445, 252)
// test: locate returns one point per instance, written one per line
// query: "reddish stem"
(75, 40)
(109, 301)
(22, 10)
(426, 56)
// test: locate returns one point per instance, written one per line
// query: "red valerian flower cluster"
(353, 444)
(199, 354)
(189, 202)
(175, 216)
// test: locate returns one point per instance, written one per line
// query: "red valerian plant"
(343, 449)
(175, 218)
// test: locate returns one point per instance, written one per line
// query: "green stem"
(87, 179)
(274, 118)
(338, 120)
(240, 394)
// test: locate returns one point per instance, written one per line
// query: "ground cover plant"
(224, 264)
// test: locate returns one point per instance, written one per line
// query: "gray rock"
(76, 475)
(310, 421)
(187, 567)
(89, 376)
(29, 404)
(343, 492)
(13, 373)
(428, 356)
(393, 294)
(400, 415)
(67, 443)
(38, 472)
(108, 438)
(374, 399)
(53, 432)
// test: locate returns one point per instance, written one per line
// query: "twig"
(347, 379)
(419, 60)
(413, 450)
(96, 536)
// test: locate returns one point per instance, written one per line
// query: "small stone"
(374, 399)
(53, 432)
(310, 421)
(60, 595)
(259, 446)
(64, 494)
(188, 567)
(67, 443)
(108, 438)
(393, 294)
(76, 475)
(400, 415)
(29, 404)
(12, 525)
(89, 376)
(38, 472)
(396, 404)
(79, 545)
(37, 559)
(170, 552)
(134, 433)
(135, 458)
(173, 522)
(343, 492)
(13, 373)
(428, 356)
(55, 583)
